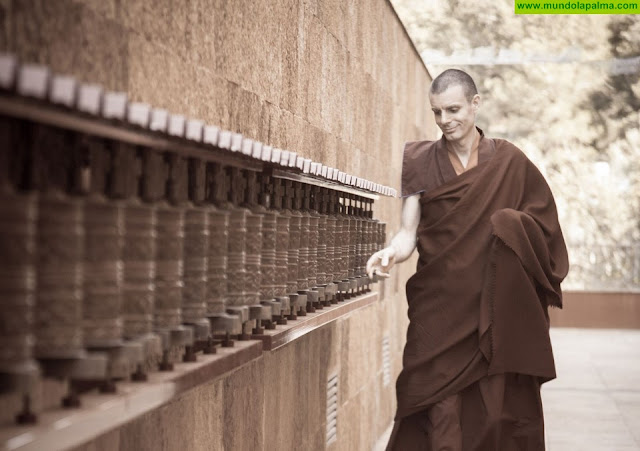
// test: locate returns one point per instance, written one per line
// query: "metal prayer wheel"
(360, 245)
(282, 251)
(271, 308)
(103, 267)
(103, 231)
(167, 314)
(241, 286)
(60, 249)
(297, 301)
(320, 247)
(304, 263)
(341, 253)
(187, 191)
(368, 238)
(19, 370)
(138, 258)
(217, 195)
(17, 281)
(333, 251)
(254, 241)
(326, 247)
(59, 340)
(59, 333)
(315, 293)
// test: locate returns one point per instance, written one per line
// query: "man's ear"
(475, 102)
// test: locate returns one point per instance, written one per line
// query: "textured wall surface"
(337, 81)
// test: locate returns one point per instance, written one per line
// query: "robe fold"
(491, 259)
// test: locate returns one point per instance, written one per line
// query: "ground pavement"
(594, 404)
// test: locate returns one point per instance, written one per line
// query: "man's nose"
(444, 118)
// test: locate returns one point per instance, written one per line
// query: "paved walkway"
(594, 404)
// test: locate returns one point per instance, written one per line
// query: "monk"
(491, 260)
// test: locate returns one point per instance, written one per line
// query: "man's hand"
(381, 262)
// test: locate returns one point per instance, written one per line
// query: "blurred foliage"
(576, 121)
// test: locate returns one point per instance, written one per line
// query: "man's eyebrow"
(453, 105)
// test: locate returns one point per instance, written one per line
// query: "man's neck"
(465, 145)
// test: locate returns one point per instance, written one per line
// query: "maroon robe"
(491, 259)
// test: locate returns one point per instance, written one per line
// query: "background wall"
(336, 81)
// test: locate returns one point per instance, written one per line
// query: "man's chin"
(451, 136)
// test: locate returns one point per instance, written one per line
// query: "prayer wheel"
(217, 195)
(304, 263)
(186, 190)
(169, 283)
(138, 258)
(19, 370)
(297, 301)
(282, 251)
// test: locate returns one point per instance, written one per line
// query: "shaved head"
(454, 77)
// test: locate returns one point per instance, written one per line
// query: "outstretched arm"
(402, 245)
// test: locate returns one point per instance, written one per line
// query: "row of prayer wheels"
(119, 259)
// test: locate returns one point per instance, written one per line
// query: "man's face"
(454, 114)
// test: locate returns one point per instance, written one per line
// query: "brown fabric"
(473, 158)
(498, 413)
(426, 164)
(468, 318)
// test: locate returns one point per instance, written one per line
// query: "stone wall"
(336, 81)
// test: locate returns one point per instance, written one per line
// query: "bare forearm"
(404, 243)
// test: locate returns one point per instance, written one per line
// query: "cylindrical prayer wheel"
(18, 215)
(333, 247)
(60, 244)
(221, 232)
(196, 268)
(272, 306)
(341, 247)
(236, 257)
(293, 254)
(281, 250)
(158, 183)
(269, 240)
(321, 248)
(253, 249)
(305, 235)
(103, 272)
(169, 267)
(138, 258)
(217, 259)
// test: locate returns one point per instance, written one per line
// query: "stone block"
(200, 37)
(311, 73)
(109, 441)
(334, 72)
(292, 38)
(246, 112)
(145, 432)
(207, 403)
(279, 396)
(145, 84)
(332, 14)
(315, 145)
(109, 9)
(163, 22)
(247, 45)
(243, 400)
(72, 40)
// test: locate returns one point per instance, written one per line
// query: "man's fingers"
(385, 260)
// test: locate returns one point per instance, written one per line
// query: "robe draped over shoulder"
(491, 259)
